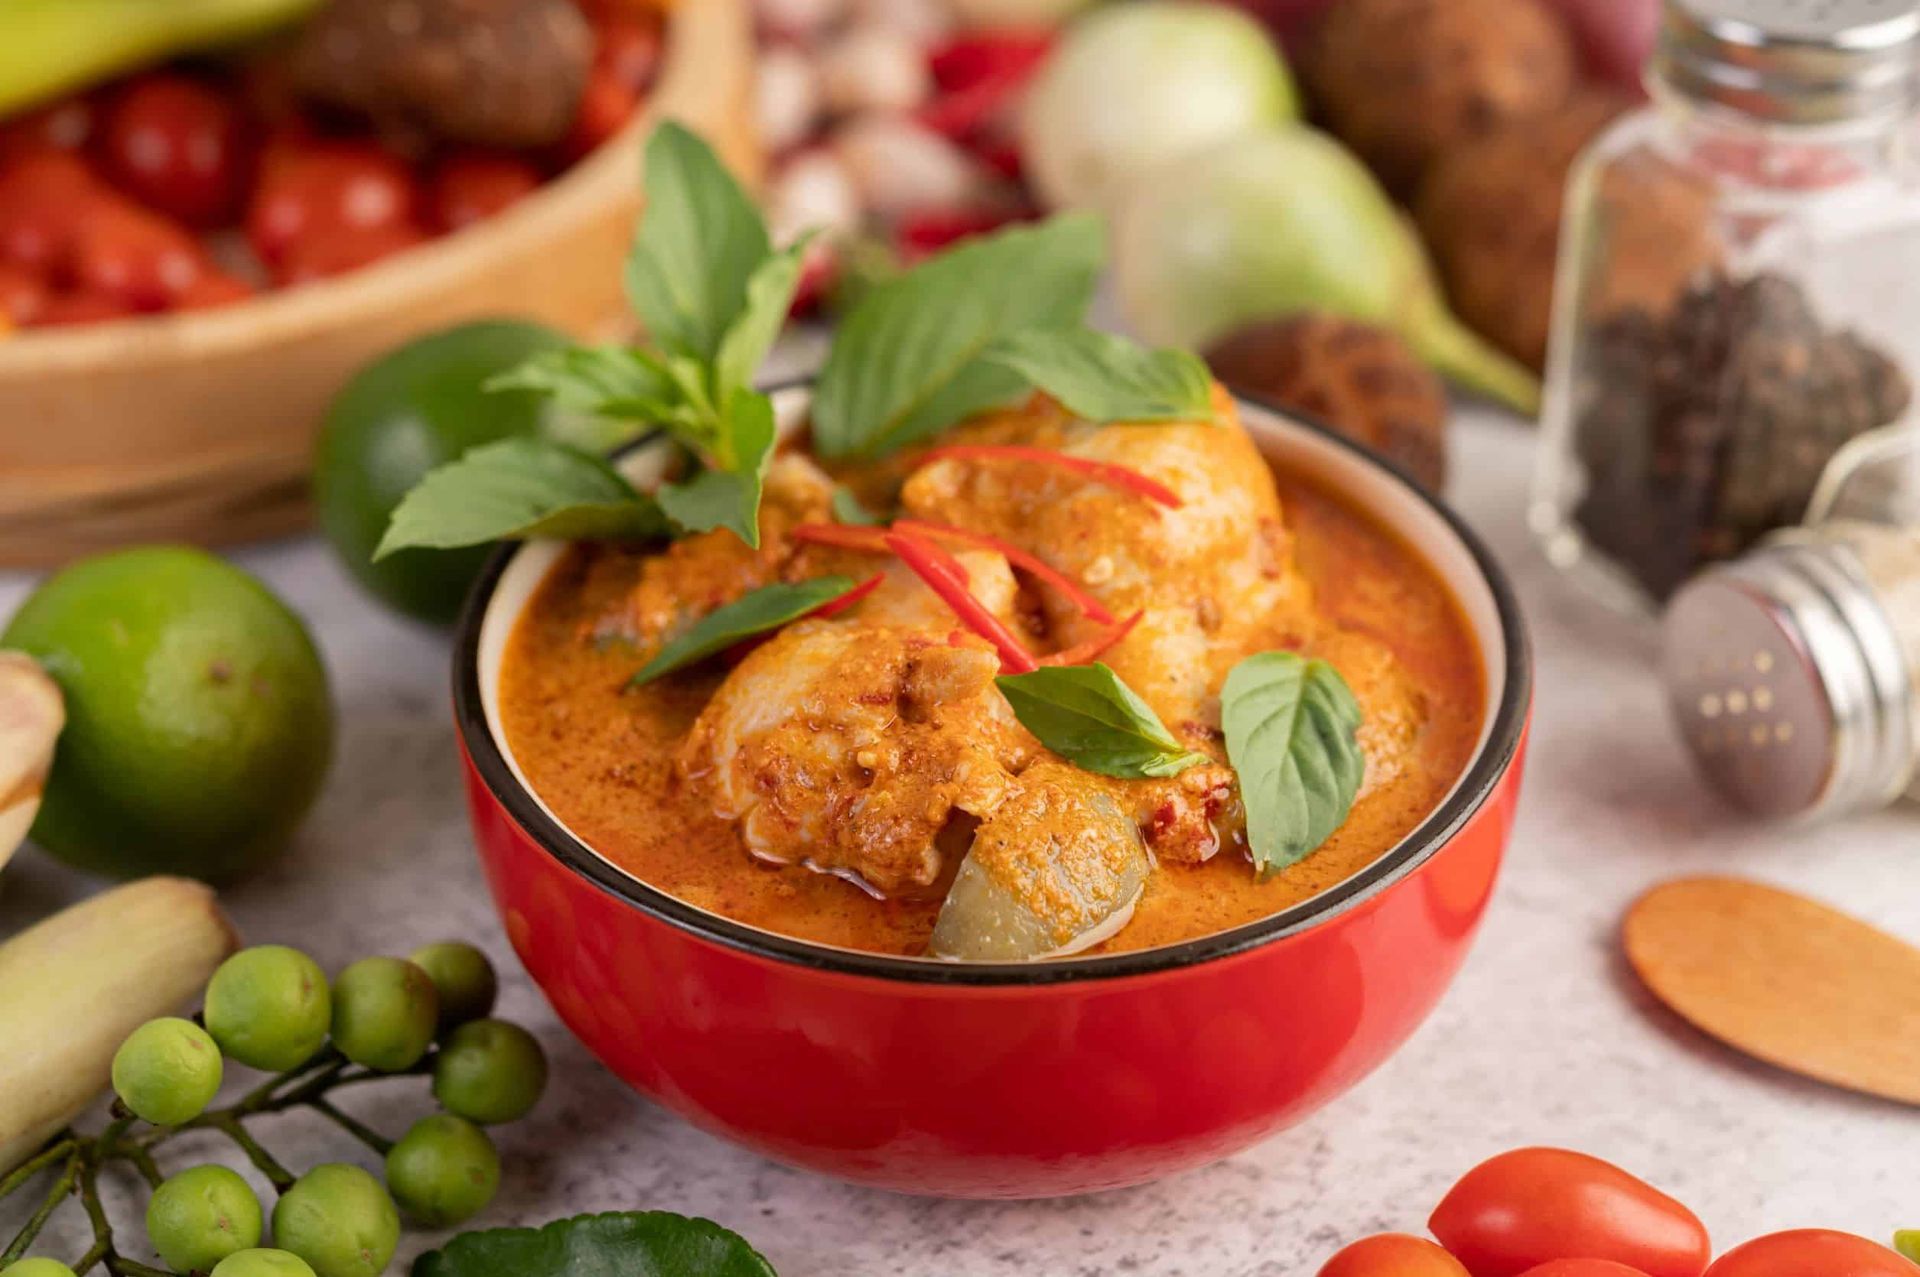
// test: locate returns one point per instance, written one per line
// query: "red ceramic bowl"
(1007, 1080)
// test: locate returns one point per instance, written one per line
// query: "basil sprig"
(521, 488)
(633, 1244)
(1088, 716)
(1291, 726)
(1102, 377)
(767, 608)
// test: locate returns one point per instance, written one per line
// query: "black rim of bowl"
(1482, 777)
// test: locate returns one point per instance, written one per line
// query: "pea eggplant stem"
(18, 1177)
(279, 1176)
(352, 1126)
(62, 1188)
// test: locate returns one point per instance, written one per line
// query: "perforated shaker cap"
(1795, 61)
(1786, 678)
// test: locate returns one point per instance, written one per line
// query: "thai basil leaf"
(700, 241)
(1291, 728)
(767, 608)
(753, 331)
(521, 488)
(607, 381)
(635, 1244)
(910, 360)
(1085, 714)
(1102, 377)
(847, 509)
(729, 498)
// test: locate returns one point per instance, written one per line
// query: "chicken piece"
(1057, 868)
(697, 574)
(1208, 576)
(904, 600)
(851, 748)
(1393, 713)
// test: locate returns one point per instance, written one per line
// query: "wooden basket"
(199, 427)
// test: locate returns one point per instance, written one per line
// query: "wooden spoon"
(1786, 979)
(32, 713)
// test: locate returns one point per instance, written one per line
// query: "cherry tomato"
(134, 254)
(177, 145)
(63, 126)
(1812, 1252)
(1583, 1268)
(605, 105)
(321, 189)
(1393, 1255)
(335, 252)
(1523, 1208)
(627, 48)
(212, 290)
(23, 295)
(41, 198)
(83, 307)
(474, 185)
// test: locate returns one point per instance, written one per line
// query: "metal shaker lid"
(1787, 681)
(1796, 61)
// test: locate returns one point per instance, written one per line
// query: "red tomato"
(23, 295)
(176, 144)
(314, 190)
(627, 48)
(81, 308)
(41, 199)
(212, 290)
(1583, 1268)
(1812, 1252)
(1393, 1255)
(1523, 1208)
(134, 254)
(607, 103)
(474, 185)
(64, 126)
(330, 253)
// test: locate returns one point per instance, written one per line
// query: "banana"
(32, 712)
(73, 986)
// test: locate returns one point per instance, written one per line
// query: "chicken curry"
(857, 778)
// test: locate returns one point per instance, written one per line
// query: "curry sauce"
(601, 755)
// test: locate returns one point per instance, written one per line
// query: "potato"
(1490, 212)
(1403, 82)
(1361, 380)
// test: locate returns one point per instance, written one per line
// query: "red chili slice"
(944, 575)
(843, 536)
(1105, 471)
(841, 602)
(1094, 648)
(1089, 606)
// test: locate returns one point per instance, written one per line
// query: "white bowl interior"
(1285, 443)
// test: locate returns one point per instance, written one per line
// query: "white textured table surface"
(1544, 1039)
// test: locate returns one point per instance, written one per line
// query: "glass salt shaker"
(1735, 298)
(1794, 671)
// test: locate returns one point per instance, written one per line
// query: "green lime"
(200, 1216)
(419, 407)
(262, 1262)
(198, 724)
(167, 1071)
(464, 977)
(269, 1007)
(338, 1219)
(443, 1171)
(490, 1072)
(384, 1013)
(37, 1268)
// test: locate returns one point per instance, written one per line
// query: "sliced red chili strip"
(1105, 471)
(1089, 606)
(1094, 648)
(945, 576)
(845, 536)
(841, 602)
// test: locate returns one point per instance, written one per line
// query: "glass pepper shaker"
(1734, 300)
(1794, 671)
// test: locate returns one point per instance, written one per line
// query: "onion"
(787, 96)
(900, 167)
(812, 192)
(1139, 84)
(1286, 220)
(874, 68)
